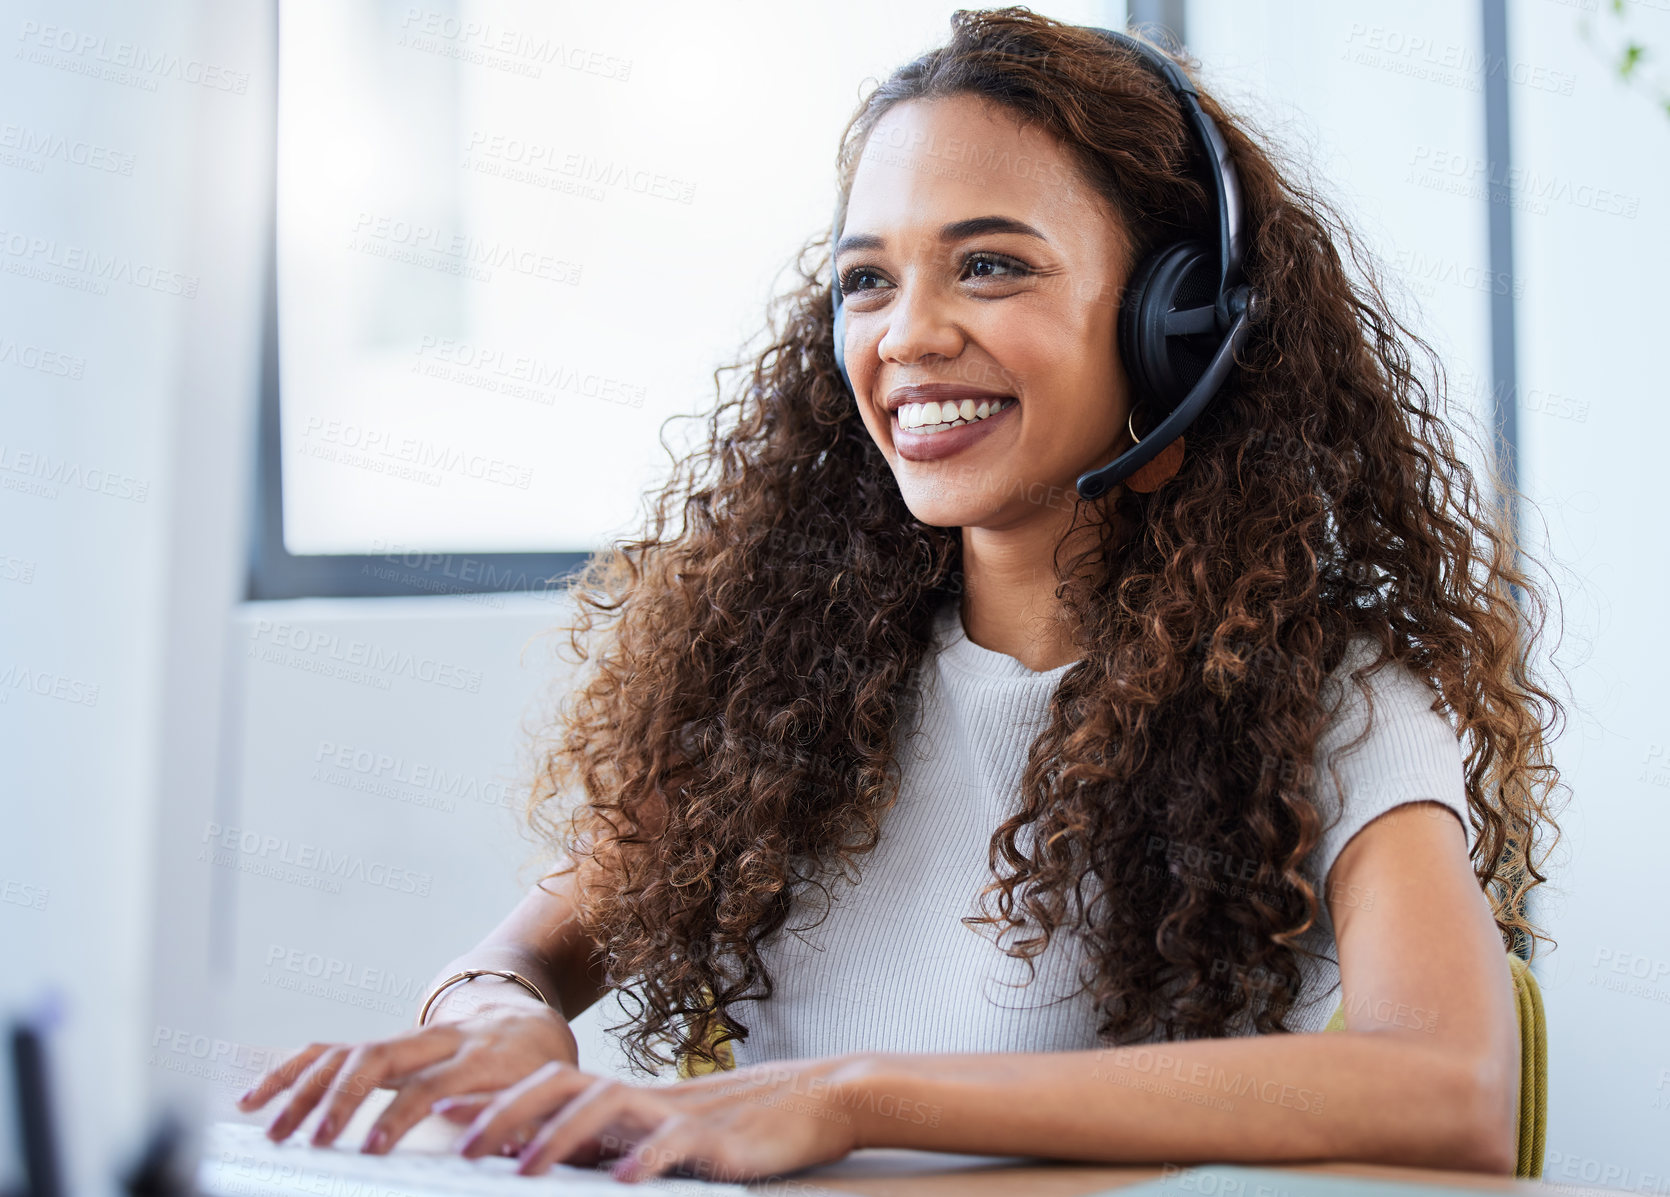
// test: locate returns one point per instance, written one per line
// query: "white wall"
(391, 736)
(1594, 250)
(1357, 122)
(128, 312)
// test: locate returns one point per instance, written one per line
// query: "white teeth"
(948, 414)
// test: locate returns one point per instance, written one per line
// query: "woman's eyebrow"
(957, 230)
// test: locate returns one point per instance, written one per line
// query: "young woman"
(915, 791)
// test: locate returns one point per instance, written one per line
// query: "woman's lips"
(931, 446)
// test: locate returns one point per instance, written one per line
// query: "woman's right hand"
(486, 1051)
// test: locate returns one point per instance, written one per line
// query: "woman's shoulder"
(1386, 741)
(1362, 683)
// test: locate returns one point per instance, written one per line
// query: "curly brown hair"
(733, 738)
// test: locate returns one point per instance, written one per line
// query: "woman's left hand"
(738, 1125)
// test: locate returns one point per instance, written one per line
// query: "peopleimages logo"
(319, 975)
(529, 161)
(350, 442)
(977, 156)
(1420, 57)
(465, 569)
(346, 764)
(1437, 168)
(47, 684)
(18, 893)
(139, 65)
(33, 255)
(43, 146)
(46, 473)
(426, 245)
(519, 376)
(280, 638)
(52, 362)
(255, 852)
(487, 44)
(1201, 1082)
(241, 1057)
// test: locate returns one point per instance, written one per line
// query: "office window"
(514, 238)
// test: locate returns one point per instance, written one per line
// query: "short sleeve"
(1412, 753)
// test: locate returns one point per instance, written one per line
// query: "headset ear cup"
(839, 308)
(841, 336)
(1132, 352)
(1162, 369)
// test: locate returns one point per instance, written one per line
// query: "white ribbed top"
(892, 969)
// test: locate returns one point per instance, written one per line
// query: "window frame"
(276, 573)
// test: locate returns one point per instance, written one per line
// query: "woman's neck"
(1009, 603)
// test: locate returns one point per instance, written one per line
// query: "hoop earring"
(1159, 471)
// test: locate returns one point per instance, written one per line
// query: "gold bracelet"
(470, 974)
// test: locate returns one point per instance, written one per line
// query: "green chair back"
(1533, 1066)
(689, 1066)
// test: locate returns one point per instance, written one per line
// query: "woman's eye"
(995, 266)
(852, 280)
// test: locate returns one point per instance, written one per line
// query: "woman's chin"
(982, 503)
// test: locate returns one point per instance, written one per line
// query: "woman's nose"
(919, 326)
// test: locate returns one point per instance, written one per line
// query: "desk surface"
(876, 1173)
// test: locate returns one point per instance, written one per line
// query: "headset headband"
(1220, 176)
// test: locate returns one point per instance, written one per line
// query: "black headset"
(1185, 310)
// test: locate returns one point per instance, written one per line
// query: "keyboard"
(240, 1161)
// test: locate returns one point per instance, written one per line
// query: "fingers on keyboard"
(312, 1086)
(282, 1077)
(404, 1062)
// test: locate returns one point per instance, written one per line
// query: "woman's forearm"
(540, 939)
(464, 998)
(1365, 1096)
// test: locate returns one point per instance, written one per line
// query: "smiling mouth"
(934, 416)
